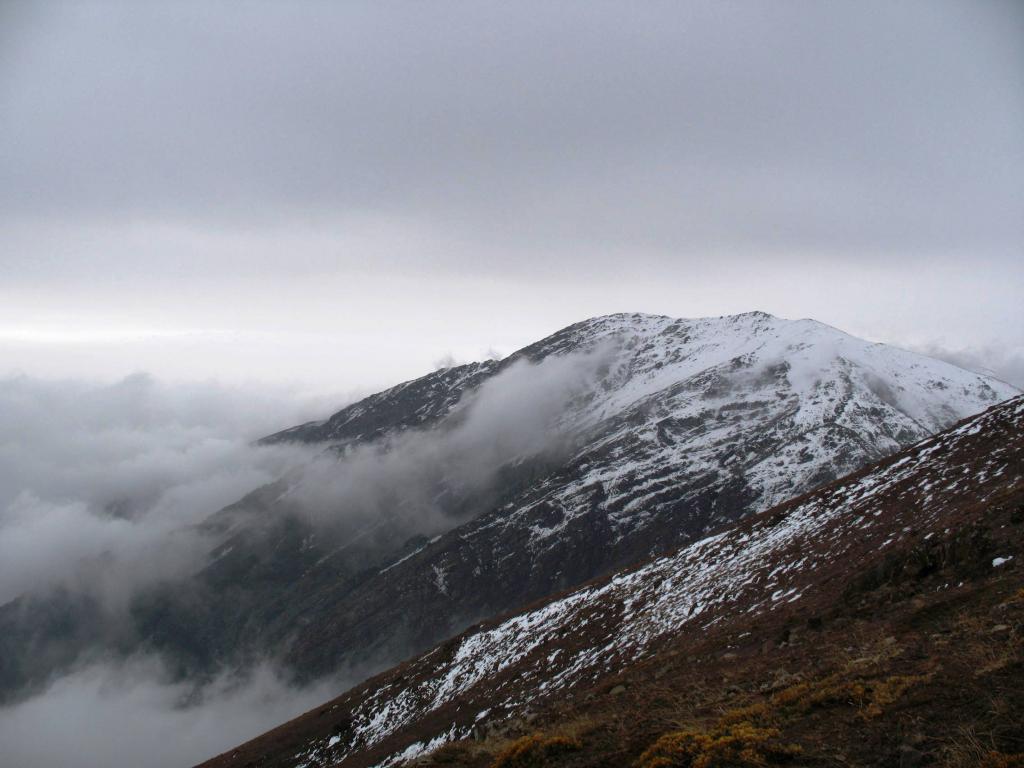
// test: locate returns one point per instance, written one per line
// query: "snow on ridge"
(657, 352)
(811, 388)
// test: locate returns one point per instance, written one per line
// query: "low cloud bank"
(99, 487)
(1002, 362)
(129, 715)
(100, 483)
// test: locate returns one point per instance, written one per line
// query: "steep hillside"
(876, 621)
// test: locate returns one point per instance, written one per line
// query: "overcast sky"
(339, 194)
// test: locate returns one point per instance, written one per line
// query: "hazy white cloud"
(419, 480)
(100, 484)
(1003, 363)
(132, 715)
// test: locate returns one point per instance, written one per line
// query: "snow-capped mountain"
(671, 384)
(944, 511)
(690, 424)
(475, 490)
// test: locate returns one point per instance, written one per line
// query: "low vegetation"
(535, 751)
(739, 744)
(919, 671)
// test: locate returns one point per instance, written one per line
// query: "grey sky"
(340, 193)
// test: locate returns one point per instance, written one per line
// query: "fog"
(1005, 363)
(421, 480)
(129, 715)
(100, 482)
(99, 485)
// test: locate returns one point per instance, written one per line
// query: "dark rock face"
(679, 427)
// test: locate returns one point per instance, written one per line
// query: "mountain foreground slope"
(876, 621)
(475, 490)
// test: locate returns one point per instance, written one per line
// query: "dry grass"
(535, 751)
(738, 744)
(985, 650)
(870, 696)
(968, 750)
(751, 734)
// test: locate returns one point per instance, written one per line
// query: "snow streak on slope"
(785, 555)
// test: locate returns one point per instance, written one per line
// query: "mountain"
(689, 424)
(475, 490)
(854, 625)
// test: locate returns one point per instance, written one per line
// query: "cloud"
(670, 129)
(343, 191)
(131, 715)
(426, 481)
(1006, 363)
(100, 484)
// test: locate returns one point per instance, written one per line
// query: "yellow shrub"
(887, 691)
(740, 744)
(756, 711)
(534, 751)
(871, 696)
(828, 690)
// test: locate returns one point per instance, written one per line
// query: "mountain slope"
(475, 490)
(901, 544)
(692, 424)
(410, 405)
